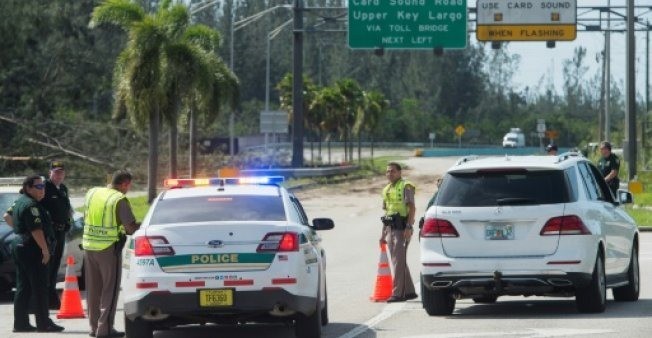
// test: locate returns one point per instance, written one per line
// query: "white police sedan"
(225, 251)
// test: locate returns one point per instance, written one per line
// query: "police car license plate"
(215, 297)
(498, 231)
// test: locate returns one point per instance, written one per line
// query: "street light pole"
(607, 88)
(232, 115)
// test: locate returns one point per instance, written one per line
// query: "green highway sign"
(407, 24)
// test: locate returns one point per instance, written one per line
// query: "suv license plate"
(215, 297)
(498, 232)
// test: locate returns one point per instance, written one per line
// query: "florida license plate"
(215, 297)
(498, 232)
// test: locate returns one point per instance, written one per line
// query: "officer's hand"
(407, 234)
(46, 257)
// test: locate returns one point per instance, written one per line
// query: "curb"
(645, 229)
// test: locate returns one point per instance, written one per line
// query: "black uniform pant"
(53, 266)
(31, 280)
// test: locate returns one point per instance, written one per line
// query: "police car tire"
(324, 311)
(630, 292)
(309, 326)
(138, 328)
(437, 302)
(593, 297)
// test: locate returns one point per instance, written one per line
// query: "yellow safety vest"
(101, 228)
(393, 197)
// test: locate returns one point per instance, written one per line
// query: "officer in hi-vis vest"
(398, 203)
(108, 219)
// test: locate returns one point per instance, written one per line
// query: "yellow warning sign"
(526, 32)
(459, 131)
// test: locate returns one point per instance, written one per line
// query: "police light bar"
(220, 181)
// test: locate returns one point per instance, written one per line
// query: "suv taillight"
(150, 246)
(565, 225)
(279, 242)
(435, 227)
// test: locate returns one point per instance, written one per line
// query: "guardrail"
(301, 172)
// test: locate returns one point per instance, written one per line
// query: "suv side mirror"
(322, 224)
(625, 197)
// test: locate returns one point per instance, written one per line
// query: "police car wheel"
(138, 328)
(309, 326)
(437, 302)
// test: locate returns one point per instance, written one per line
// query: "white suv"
(228, 252)
(532, 226)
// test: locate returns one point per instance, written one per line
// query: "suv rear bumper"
(496, 284)
(245, 302)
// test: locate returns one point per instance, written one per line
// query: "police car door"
(312, 252)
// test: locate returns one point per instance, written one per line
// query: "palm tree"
(329, 102)
(353, 101)
(165, 65)
(368, 118)
(311, 118)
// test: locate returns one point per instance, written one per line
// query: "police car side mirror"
(625, 197)
(322, 224)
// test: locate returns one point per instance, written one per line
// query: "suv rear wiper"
(515, 201)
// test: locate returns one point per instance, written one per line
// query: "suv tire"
(630, 292)
(437, 302)
(309, 326)
(324, 311)
(485, 299)
(593, 297)
(138, 328)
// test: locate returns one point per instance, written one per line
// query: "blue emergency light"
(221, 181)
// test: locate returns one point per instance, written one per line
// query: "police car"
(532, 226)
(225, 251)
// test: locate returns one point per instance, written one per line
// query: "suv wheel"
(324, 311)
(437, 302)
(309, 326)
(593, 297)
(629, 292)
(485, 299)
(138, 328)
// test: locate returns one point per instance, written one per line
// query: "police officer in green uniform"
(31, 252)
(609, 164)
(57, 203)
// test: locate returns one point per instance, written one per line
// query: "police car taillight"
(279, 242)
(152, 246)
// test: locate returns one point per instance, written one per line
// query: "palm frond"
(203, 36)
(121, 13)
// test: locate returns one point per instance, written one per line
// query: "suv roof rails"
(564, 156)
(466, 159)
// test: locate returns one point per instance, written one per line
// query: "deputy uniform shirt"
(126, 216)
(57, 202)
(609, 163)
(29, 215)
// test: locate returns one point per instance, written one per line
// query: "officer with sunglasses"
(31, 250)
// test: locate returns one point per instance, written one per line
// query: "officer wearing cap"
(609, 164)
(57, 203)
(31, 251)
(551, 149)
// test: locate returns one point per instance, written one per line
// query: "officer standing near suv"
(398, 203)
(57, 203)
(609, 164)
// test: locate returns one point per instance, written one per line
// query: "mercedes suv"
(531, 226)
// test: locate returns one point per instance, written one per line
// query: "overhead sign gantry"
(526, 20)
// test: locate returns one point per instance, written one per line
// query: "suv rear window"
(218, 209)
(509, 187)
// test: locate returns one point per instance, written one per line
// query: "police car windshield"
(503, 188)
(219, 209)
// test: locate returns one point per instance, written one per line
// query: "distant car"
(8, 194)
(527, 225)
(514, 139)
(230, 251)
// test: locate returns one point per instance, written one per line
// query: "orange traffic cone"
(71, 304)
(383, 289)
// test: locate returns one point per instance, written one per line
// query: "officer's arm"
(126, 217)
(39, 237)
(612, 174)
(8, 219)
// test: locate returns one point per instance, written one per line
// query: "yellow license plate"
(215, 297)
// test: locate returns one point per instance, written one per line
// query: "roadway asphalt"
(352, 253)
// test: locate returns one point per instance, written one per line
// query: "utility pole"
(607, 85)
(297, 87)
(647, 89)
(631, 93)
(232, 115)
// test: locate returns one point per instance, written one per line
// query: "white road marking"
(388, 311)
(530, 333)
